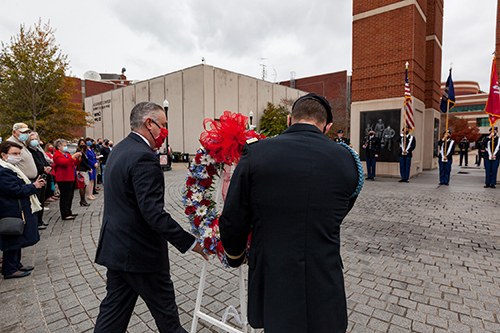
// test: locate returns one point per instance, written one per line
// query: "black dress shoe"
(27, 268)
(84, 204)
(42, 227)
(15, 276)
(95, 192)
(493, 186)
(486, 186)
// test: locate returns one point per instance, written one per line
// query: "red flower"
(207, 243)
(189, 194)
(197, 221)
(205, 202)
(190, 181)
(197, 158)
(206, 182)
(190, 210)
(219, 248)
(211, 170)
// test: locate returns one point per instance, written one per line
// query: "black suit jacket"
(135, 226)
(410, 146)
(372, 146)
(292, 192)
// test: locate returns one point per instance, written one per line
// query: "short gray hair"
(141, 112)
(59, 142)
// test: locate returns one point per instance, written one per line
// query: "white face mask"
(13, 159)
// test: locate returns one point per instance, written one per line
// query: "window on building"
(468, 108)
(481, 122)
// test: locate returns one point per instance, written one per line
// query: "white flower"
(207, 159)
(198, 196)
(209, 233)
(201, 211)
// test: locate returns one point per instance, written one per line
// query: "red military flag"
(409, 121)
(493, 103)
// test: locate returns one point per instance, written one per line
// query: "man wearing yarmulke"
(292, 193)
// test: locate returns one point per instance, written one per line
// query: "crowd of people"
(32, 175)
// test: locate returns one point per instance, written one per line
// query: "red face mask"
(160, 138)
(51, 150)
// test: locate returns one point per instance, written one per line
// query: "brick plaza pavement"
(418, 257)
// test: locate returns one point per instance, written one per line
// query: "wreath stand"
(222, 323)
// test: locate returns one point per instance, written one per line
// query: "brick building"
(87, 88)
(386, 35)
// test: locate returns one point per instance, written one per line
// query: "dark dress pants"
(444, 171)
(11, 261)
(404, 167)
(370, 165)
(491, 167)
(465, 155)
(157, 291)
(40, 193)
(67, 190)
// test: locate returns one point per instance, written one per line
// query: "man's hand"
(199, 249)
(47, 169)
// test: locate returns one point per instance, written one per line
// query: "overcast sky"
(152, 37)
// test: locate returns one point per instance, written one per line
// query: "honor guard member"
(407, 144)
(371, 145)
(292, 192)
(491, 158)
(446, 148)
(340, 138)
(480, 150)
(464, 151)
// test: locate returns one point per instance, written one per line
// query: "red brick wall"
(381, 46)
(433, 54)
(331, 85)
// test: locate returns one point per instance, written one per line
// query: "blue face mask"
(34, 143)
(65, 149)
(23, 137)
(0, 139)
(89, 143)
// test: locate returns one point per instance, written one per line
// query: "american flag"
(410, 122)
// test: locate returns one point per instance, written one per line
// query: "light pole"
(251, 117)
(169, 158)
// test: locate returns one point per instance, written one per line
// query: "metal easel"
(222, 323)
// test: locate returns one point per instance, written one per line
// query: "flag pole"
(446, 131)
(404, 110)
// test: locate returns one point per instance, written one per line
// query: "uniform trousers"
(370, 165)
(404, 167)
(466, 155)
(67, 190)
(491, 171)
(444, 171)
(157, 291)
(11, 261)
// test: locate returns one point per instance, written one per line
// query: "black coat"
(12, 188)
(292, 192)
(105, 153)
(135, 226)
(451, 150)
(409, 145)
(486, 143)
(39, 159)
(372, 146)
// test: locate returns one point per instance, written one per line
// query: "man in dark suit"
(135, 228)
(371, 145)
(407, 144)
(292, 192)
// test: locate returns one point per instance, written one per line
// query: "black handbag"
(13, 226)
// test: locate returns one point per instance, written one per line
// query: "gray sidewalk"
(418, 257)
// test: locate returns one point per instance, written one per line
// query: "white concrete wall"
(194, 94)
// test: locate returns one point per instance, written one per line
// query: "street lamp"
(169, 158)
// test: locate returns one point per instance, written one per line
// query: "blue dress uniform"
(407, 145)
(371, 145)
(341, 139)
(445, 166)
(292, 192)
(491, 161)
